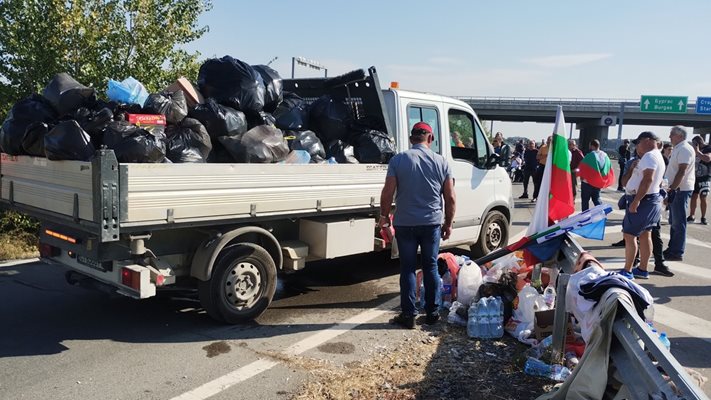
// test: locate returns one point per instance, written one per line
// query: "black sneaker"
(670, 257)
(703, 221)
(523, 196)
(432, 319)
(663, 270)
(404, 321)
(621, 243)
(690, 219)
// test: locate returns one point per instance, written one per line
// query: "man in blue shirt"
(421, 178)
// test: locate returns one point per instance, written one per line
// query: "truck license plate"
(94, 264)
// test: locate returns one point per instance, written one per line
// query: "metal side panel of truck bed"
(166, 194)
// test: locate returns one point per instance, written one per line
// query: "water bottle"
(537, 367)
(665, 340)
(549, 296)
(447, 288)
(559, 373)
(483, 317)
(500, 328)
(438, 293)
(473, 321)
(571, 360)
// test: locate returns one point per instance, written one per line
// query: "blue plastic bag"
(128, 91)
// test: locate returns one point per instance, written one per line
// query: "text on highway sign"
(663, 104)
(703, 105)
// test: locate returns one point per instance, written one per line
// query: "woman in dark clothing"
(529, 166)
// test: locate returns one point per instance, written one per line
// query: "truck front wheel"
(241, 286)
(493, 236)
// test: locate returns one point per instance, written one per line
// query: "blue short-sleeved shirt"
(420, 175)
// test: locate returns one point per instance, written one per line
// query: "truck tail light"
(47, 250)
(131, 278)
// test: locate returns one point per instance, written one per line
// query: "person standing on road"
(421, 179)
(624, 154)
(575, 157)
(702, 179)
(643, 204)
(680, 174)
(538, 177)
(587, 189)
(530, 163)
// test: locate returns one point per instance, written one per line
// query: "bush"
(19, 235)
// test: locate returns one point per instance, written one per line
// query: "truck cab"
(483, 188)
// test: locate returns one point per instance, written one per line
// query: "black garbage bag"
(172, 105)
(232, 82)
(330, 119)
(119, 110)
(94, 122)
(33, 141)
(292, 113)
(67, 141)
(273, 86)
(219, 120)
(66, 94)
(342, 152)
(371, 146)
(306, 140)
(133, 144)
(188, 143)
(24, 113)
(263, 144)
(263, 118)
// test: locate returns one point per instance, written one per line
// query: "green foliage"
(15, 222)
(94, 40)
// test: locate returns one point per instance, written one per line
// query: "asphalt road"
(62, 342)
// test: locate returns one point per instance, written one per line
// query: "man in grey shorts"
(643, 204)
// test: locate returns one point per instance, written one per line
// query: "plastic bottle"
(571, 360)
(549, 296)
(537, 367)
(559, 373)
(665, 340)
(438, 294)
(497, 319)
(484, 318)
(447, 288)
(473, 321)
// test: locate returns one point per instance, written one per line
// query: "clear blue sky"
(600, 49)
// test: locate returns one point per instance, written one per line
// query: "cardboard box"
(543, 324)
(192, 94)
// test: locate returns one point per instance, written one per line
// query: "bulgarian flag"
(555, 200)
(594, 174)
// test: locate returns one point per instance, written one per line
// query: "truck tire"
(242, 284)
(493, 236)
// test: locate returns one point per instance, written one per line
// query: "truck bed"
(156, 194)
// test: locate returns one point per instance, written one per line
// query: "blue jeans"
(588, 192)
(409, 238)
(678, 211)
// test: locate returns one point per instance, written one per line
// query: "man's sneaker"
(703, 221)
(523, 196)
(432, 319)
(671, 257)
(533, 200)
(663, 270)
(638, 273)
(690, 219)
(621, 243)
(404, 321)
(627, 275)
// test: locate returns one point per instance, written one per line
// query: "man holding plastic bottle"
(423, 181)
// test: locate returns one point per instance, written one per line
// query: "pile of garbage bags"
(236, 113)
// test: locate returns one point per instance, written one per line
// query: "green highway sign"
(663, 104)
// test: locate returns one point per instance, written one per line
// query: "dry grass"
(18, 245)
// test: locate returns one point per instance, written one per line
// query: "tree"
(94, 40)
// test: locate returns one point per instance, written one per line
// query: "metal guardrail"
(636, 354)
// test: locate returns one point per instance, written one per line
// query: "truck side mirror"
(492, 161)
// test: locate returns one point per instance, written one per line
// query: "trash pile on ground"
(236, 113)
(508, 296)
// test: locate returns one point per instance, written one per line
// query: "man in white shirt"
(643, 205)
(680, 174)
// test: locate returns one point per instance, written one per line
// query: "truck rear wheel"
(493, 236)
(242, 284)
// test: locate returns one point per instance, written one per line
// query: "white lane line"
(239, 375)
(691, 325)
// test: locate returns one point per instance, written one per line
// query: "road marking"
(18, 262)
(691, 325)
(257, 367)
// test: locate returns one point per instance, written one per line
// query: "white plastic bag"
(468, 280)
(529, 301)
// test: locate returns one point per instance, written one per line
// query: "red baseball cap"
(421, 128)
